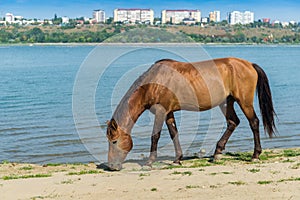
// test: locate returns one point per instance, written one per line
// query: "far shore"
(275, 176)
(145, 44)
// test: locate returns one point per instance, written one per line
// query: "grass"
(144, 174)
(289, 179)
(85, 172)
(291, 152)
(11, 177)
(264, 182)
(182, 173)
(69, 181)
(237, 183)
(26, 168)
(192, 186)
(296, 166)
(254, 170)
(153, 189)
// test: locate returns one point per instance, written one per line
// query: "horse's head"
(120, 143)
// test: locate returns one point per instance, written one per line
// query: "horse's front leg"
(157, 127)
(171, 124)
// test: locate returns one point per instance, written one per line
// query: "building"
(215, 16)
(237, 17)
(179, 16)
(134, 15)
(9, 17)
(99, 16)
(65, 20)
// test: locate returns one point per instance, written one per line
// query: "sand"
(276, 176)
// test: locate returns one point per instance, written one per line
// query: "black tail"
(265, 101)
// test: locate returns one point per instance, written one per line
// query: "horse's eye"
(114, 142)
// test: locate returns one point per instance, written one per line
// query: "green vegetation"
(69, 181)
(289, 179)
(254, 170)
(27, 168)
(192, 186)
(137, 33)
(264, 182)
(237, 183)
(10, 177)
(153, 189)
(144, 174)
(182, 173)
(85, 172)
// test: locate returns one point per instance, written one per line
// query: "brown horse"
(169, 86)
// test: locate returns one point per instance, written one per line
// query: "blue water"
(37, 89)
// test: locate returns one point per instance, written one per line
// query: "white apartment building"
(134, 15)
(179, 16)
(237, 17)
(99, 16)
(9, 17)
(215, 16)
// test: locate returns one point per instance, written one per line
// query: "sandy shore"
(276, 176)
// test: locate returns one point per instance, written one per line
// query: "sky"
(283, 10)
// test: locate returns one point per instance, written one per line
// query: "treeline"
(141, 33)
(37, 35)
(242, 38)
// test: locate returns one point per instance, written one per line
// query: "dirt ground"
(276, 176)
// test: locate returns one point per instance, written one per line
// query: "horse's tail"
(265, 101)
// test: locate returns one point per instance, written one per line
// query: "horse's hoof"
(217, 157)
(176, 162)
(255, 160)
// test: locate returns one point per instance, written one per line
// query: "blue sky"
(284, 10)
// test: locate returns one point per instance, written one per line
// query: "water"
(36, 91)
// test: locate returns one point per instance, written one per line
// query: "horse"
(169, 86)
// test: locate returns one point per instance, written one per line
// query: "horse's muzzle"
(114, 166)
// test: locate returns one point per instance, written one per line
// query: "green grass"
(10, 177)
(291, 152)
(5, 162)
(85, 172)
(296, 166)
(69, 181)
(264, 182)
(144, 174)
(254, 170)
(192, 186)
(241, 156)
(26, 168)
(289, 179)
(182, 173)
(153, 189)
(237, 183)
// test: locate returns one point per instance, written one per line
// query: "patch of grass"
(288, 161)
(153, 189)
(52, 165)
(213, 186)
(26, 168)
(5, 162)
(69, 181)
(254, 170)
(199, 163)
(144, 174)
(85, 172)
(264, 182)
(227, 173)
(213, 174)
(26, 176)
(182, 173)
(291, 152)
(241, 156)
(289, 179)
(192, 186)
(237, 183)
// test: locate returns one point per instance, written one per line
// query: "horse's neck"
(128, 111)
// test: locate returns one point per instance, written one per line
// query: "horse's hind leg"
(232, 122)
(171, 124)
(254, 124)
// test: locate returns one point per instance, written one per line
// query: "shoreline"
(276, 176)
(147, 44)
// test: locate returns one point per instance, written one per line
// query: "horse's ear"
(113, 124)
